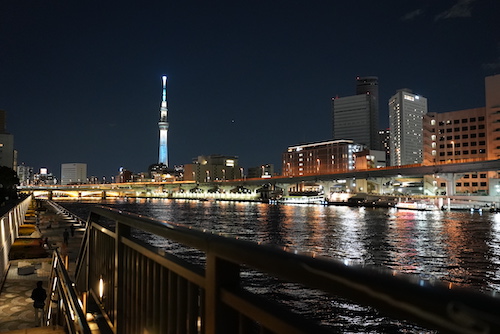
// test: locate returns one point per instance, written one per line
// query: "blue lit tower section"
(163, 125)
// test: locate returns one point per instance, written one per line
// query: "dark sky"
(81, 80)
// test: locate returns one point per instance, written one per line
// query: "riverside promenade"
(16, 307)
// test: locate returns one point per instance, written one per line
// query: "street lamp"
(453, 151)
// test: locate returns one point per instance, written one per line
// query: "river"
(459, 247)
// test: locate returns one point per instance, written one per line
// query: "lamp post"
(453, 151)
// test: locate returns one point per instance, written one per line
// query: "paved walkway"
(16, 306)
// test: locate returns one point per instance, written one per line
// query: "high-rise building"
(465, 136)
(7, 153)
(25, 174)
(356, 117)
(73, 173)
(163, 125)
(406, 111)
(492, 96)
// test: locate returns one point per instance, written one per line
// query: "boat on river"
(416, 205)
(318, 199)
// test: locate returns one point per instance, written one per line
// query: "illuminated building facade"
(263, 171)
(455, 136)
(163, 125)
(25, 175)
(213, 168)
(370, 159)
(492, 97)
(406, 112)
(464, 136)
(384, 137)
(72, 173)
(320, 158)
(356, 117)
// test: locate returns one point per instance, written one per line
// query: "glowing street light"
(453, 151)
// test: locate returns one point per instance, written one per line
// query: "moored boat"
(319, 199)
(416, 205)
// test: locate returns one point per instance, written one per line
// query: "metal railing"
(64, 306)
(141, 289)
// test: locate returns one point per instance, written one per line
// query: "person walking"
(66, 236)
(39, 295)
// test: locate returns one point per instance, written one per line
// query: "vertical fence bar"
(192, 307)
(182, 296)
(121, 231)
(220, 318)
(172, 302)
(135, 293)
(156, 298)
(163, 305)
(142, 292)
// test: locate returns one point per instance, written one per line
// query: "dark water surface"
(458, 247)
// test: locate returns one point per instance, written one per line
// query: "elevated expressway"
(373, 180)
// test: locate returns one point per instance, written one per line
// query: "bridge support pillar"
(450, 179)
(50, 195)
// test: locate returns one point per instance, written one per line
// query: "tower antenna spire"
(163, 125)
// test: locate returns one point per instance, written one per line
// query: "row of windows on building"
(467, 184)
(457, 137)
(464, 152)
(458, 129)
(458, 121)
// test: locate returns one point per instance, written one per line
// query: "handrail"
(431, 305)
(64, 296)
(63, 210)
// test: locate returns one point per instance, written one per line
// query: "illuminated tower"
(163, 125)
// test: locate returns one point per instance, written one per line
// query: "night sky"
(81, 80)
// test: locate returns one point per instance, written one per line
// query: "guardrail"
(64, 306)
(62, 210)
(141, 289)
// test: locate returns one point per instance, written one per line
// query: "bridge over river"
(379, 181)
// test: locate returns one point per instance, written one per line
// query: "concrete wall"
(9, 224)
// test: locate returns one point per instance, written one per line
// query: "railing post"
(220, 319)
(121, 230)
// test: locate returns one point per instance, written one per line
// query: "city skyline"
(79, 82)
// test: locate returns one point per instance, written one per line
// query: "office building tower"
(73, 173)
(356, 117)
(384, 138)
(25, 175)
(466, 136)
(7, 153)
(492, 97)
(406, 111)
(163, 125)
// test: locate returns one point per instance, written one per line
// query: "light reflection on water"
(458, 247)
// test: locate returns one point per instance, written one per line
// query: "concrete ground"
(16, 307)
